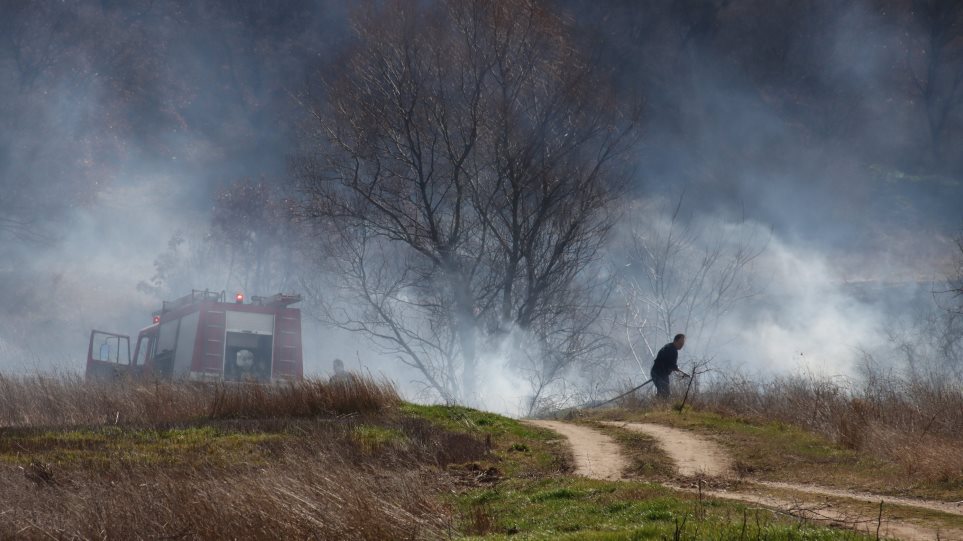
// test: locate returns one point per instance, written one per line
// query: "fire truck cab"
(202, 337)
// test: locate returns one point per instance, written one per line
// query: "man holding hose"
(666, 362)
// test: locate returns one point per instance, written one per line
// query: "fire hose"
(630, 391)
(594, 404)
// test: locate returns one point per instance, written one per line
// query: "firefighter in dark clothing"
(666, 362)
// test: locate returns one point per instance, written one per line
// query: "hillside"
(315, 460)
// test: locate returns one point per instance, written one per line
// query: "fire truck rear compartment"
(202, 337)
(248, 357)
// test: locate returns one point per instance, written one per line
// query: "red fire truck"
(203, 337)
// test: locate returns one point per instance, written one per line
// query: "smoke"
(502, 387)
(805, 316)
(800, 124)
(120, 123)
(797, 124)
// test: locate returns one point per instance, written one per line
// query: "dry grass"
(304, 497)
(308, 398)
(914, 422)
(305, 460)
(70, 401)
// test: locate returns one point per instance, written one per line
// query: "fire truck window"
(168, 336)
(248, 357)
(184, 351)
(110, 349)
(143, 347)
(164, 349)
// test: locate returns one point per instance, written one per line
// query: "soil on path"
(693, 455)
(696, 455)
(952, 508)
(828, 513)
(598, 456)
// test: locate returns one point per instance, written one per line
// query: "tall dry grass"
(69, 400)
(318, 497)
(916, 422)
(319, 478)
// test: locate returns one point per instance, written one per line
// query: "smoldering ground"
(803, 127)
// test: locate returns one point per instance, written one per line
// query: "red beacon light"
(156, 320)
(239, 298)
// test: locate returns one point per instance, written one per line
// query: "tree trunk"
(467, 335)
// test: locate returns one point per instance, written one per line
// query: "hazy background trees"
(935, 63)
(251, 245)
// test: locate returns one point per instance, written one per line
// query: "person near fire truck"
(340, 376)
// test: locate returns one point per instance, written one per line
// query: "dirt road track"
(598, 456)
(952, 508)
(693, 455)
(889, 529)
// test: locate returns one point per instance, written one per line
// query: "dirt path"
(952, 508)
(598, 456)
(824, 514)
(693, 455)
(696, 455)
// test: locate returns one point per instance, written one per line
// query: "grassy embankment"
(772, 451)
(889, 436)
(315, 460)
(535, 499)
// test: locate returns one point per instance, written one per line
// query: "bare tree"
(463, 168)
(678, 277)
(929, 338)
